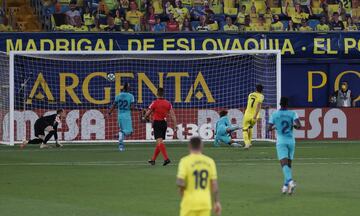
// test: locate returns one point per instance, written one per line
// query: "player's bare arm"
(148, 113)
(271, 127)
(258, 108)
(113, 106)
(181, 184)
(216, 198)
(173, 118)
(297, 124)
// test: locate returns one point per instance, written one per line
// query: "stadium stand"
(177, 15)
(18, 15)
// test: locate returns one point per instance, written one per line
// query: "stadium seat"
(194, 24)
(276, 10)
(285, 24)
(317, 10)
(333, 8)
(313, 23)
(230, 11)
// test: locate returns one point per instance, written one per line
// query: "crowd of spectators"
(6, 21)
(203, 15)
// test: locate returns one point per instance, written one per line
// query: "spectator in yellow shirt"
(304, 26)
(297, 15)
(268, 16)
(230, 26)
(322, 26)
(350, 25)
(325, 12)
(240, 19)
(261, 26)
(342, 12)
(4, 27)
(66, 26)
(276, 25)
(180, 12)
(126, 27)
(88, 18)
(79, 27)
(96, 28)
(247, 24)
(254, 16)
(158, 7)
(134, 16)
(291, 26)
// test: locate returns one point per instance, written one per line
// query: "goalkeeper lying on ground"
(49, 124)
(224, 129)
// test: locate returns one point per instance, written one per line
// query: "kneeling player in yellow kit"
(252, 114)
(197, 182)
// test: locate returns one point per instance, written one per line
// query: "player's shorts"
(206, 212)
(39, 128)
(160, 128)
(285, 151)
(226, 139)
(248, 122)
(125, 123)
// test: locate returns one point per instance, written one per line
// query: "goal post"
(197, 83)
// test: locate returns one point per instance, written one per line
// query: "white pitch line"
(136, 149)
(143, 163)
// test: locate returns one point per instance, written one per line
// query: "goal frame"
(13, 53)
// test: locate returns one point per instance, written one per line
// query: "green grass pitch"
(100, 181)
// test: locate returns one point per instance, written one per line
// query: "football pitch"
(97, 180)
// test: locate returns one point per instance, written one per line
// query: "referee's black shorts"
(39, 128)
(160, 128)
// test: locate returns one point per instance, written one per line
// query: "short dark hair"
(195, 143)
(126, 87)
(223, 113)
(259, 88)
(59, 111)
(160, 92)
(284, 101)
(335, 13)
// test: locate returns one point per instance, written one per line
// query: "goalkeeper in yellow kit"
(252, 114)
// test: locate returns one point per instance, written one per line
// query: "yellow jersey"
(197, 171)
(81, 29)
(305, 28)
(240, 18)
(297, 17)
(134, 17)
(278, 26)
(157, 6)
(88, 19)
(230, 28)
(261, 27)
(254, 99)
(323, 27)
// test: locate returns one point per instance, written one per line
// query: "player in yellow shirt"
(197, 182)
(252, 114)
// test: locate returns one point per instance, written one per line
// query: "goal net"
(199, 84)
